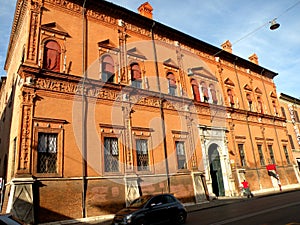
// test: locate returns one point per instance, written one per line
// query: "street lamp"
(274, 25)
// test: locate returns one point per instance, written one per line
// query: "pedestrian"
(246, 189)
(278, 182)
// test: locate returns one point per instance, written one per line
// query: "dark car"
(152, 209)
(9, 219)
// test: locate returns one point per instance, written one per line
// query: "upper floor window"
(230, 97)
(296, 116)
(108, 69)
(52, 53)
(181, 159)
(274, 107)
(283, 112)
(47, 153)
(136, 75)
(213, 93)
(204, 91)
(291, 141)
(249, 99)
(142, 154)
(260, 105)
(172, 83)
(195, 88)
(111, 154)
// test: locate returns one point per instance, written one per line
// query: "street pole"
(162, 116)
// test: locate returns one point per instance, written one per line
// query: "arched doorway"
(216, 170)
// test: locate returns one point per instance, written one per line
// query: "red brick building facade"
(101, 105)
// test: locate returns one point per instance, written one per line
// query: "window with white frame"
(180, 152)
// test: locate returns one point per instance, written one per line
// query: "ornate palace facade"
(101, 105)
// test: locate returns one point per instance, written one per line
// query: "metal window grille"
(142, 154)
(181, 160)
(111, 155)
(47, 153)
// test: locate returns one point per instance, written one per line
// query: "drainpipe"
(84, 111)
(161, 101)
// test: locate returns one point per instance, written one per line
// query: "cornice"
(109, 13)
(20, 11)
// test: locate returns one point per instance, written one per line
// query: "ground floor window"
(47, 153)
(142, 154)
(111, 154)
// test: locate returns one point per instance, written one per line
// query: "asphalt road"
(281, 209)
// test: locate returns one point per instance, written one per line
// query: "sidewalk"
(191, 207)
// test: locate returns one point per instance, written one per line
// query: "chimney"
(253, 58)
(146, 10)
(227, 46)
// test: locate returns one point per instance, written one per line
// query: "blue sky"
(243, 22)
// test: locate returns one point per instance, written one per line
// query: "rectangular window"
(261, 155)
(181, 159)
(111, 154)
(283, 112)
(286, 154)
(296, 116)
(47, 153)
(291, 141)
(242, 154)
(270, 147)
(142, 154)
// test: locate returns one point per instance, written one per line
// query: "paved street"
(214, 205)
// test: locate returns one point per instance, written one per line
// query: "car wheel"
(180, 218)
(141, 222)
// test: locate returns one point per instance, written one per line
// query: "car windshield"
(140, 202)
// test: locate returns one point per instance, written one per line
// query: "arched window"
(108, 69)
(136, 75)
(275, 107)
(52, 56)
(204, 91)
(195, 88)
(260, 105)
(249, 99)
(213, 93)
(172, 83)
(230, 97)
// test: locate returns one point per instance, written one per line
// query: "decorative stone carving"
(26, 131)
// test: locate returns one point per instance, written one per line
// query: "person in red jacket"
(246, 189)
